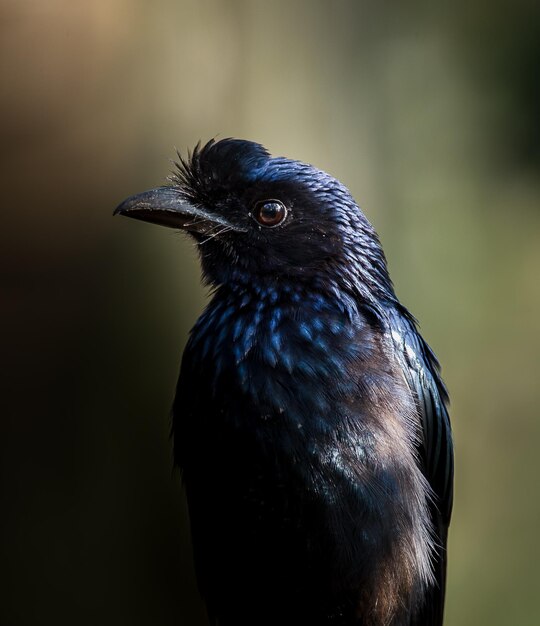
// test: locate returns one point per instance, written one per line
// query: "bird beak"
(167, 206)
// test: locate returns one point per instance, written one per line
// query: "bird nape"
(310, 419)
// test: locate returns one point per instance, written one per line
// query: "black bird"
(310, 419)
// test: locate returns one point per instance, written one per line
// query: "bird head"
(254, 216)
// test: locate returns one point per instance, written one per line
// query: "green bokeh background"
(428, 111)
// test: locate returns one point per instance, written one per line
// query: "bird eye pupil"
(270, 213)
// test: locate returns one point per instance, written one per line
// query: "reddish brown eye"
(270, 213)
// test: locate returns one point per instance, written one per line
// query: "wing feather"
(435, 449)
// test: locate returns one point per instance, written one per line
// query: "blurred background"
(428, 111)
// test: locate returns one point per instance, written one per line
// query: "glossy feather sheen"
(309, 421)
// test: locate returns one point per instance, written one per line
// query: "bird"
(310, 421)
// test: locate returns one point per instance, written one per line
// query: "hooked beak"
(167, 206)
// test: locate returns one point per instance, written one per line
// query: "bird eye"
(269, 213)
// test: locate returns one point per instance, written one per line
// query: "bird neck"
(346, 291)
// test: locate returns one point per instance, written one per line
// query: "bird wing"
(435, 450)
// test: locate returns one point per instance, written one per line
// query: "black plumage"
(310, 419)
